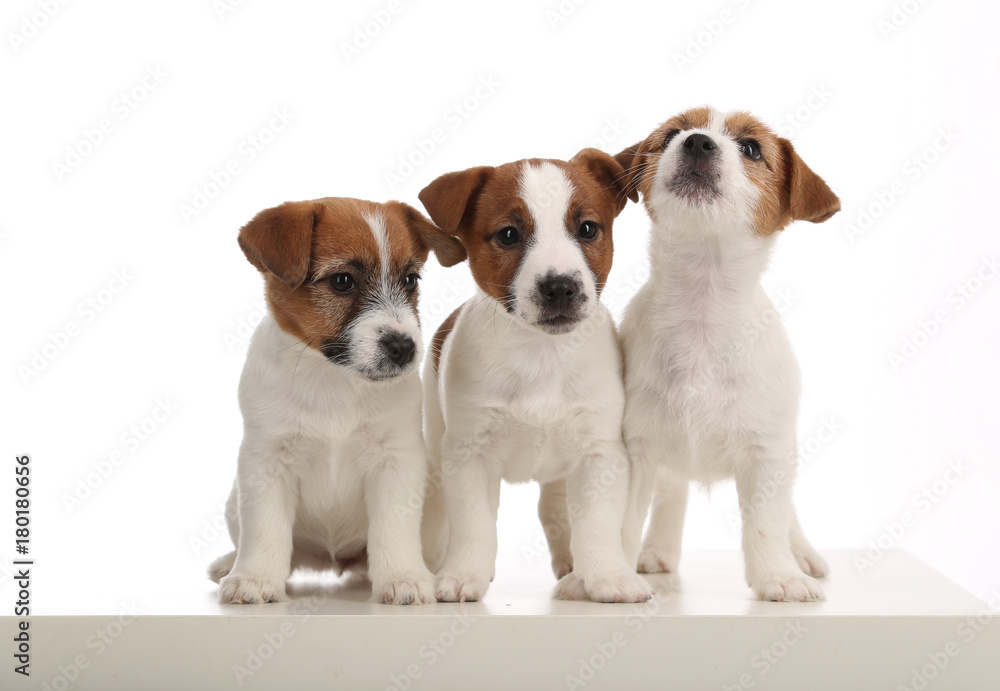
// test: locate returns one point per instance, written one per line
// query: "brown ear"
(448, 250)
(609, 172)
(450, 198)
(633, 166)
(279, 240)
(809, 198)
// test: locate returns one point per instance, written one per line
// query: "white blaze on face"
(738, 194)
(551, 249)
(387, 309)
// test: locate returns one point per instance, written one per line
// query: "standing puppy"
(712, 394)
(525, 379)
(332, 452)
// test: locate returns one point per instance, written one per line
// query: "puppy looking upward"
(709, 396)
(528, 385)
(333, 453)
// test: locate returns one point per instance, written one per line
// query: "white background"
(602, 73)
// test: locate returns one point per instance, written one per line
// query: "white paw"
(412, 589)
(788, 588)
(236, 589)
(654, 561)
(622, 587)
(812, 564)
(569, 587)
(221, 567)
(460, 588)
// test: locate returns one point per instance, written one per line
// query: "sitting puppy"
(711, 393)
(331, 401)
(525, 379)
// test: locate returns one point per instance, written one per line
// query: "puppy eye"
(588, 230)
(669, 138)
(410, 282)
(509, 236)
(751, 148)
(343, 283)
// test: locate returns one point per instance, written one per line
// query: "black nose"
(398, 347)
(558, 291)
(698, 145)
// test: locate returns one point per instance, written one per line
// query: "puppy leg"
(598, 494)
(641, 479)
(395, 560)
(267, 502)
(224, 564)
(661, 551)
(434, 528)
(764, 485)
(554, 515)
(808, 558)
(473, 497)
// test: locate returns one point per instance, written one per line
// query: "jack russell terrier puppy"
(525, 379)
(711, 393)
(333, 450)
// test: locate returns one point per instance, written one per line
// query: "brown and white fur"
(711, 395)
(333, 452)
(525, 379)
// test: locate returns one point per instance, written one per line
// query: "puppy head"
(707, 169)
(341, 275)
(537, 232)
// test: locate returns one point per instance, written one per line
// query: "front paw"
(787, 588)
(656, 561)
(409, 589)
(239, 589)
(461, 588)
(621, 587)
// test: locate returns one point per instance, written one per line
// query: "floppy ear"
(279, 240)
(609, 172)
(448, 250)
(450, 198)
(633, 166)
(809, 198)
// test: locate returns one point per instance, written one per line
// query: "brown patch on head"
(322, 262)
(437, 343)
(600, 193)
(789, 189)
